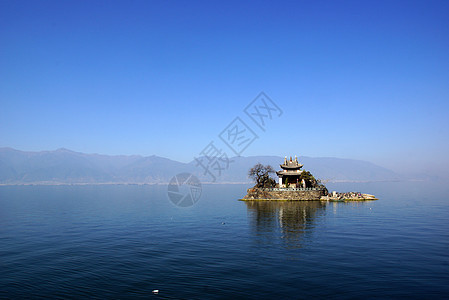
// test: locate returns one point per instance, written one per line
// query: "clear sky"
(354, 79)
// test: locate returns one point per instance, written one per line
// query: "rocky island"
(294, 184)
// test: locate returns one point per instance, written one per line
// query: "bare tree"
(261, 175)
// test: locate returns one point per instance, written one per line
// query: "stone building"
(291, 170)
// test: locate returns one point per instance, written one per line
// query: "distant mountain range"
(64, 166)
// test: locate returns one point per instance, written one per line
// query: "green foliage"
(308, 178)
(269, 182)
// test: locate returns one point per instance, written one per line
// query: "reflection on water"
(290, 222)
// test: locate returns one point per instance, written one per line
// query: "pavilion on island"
(290, 173)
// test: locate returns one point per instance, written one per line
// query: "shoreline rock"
(351, 196)
(285, 194)
(299, 194)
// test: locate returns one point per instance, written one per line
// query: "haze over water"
(125, 241)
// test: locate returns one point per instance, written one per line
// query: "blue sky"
(355, 79)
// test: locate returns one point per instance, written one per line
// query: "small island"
(294, 184)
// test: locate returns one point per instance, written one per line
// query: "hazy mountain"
(65, 166)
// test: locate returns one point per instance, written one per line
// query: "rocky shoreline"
(286, 194)
(303, 194)
(351, 196)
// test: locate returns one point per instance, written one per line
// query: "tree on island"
(311, 181)
(261, 176)
(308, 178)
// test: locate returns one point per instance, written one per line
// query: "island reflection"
(290, 222)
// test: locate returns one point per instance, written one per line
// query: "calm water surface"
(125, 241)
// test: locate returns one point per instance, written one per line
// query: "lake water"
(125, 241)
